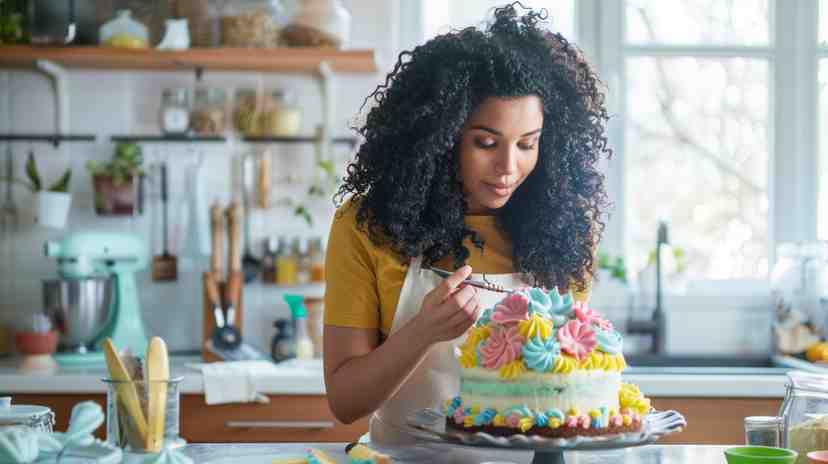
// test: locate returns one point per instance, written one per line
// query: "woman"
(480, 154)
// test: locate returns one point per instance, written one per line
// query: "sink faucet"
(654, 327)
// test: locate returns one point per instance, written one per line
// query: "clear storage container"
(250, 23)
(804, 413)
(208, 114)
(319, 23)
(124, 31)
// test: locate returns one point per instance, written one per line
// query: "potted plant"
(51, 206)
(116, 182)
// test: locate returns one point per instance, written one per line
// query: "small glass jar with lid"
(318, 23)
(250, 23)
(207, 117)
(280, 116)
(174, 116)
(246, 112)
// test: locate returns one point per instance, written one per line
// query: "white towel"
(234, 381)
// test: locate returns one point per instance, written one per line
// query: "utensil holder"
(121, 429)
(209, 320)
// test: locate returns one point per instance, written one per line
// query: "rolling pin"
(216, 241)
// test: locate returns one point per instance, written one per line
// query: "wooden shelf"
(287, 60)
(351, 141)
(54, 139)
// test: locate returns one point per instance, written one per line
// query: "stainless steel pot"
(79, 308)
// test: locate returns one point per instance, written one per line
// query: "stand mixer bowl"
(79, 308)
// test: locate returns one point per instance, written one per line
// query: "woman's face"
(498, 150)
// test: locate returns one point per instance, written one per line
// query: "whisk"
(484, 284)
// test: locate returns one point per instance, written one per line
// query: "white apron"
(437, 378)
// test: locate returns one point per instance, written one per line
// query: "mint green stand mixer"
(96, 296)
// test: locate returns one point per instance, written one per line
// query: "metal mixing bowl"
(79, 308)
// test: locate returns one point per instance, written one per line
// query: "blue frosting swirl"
(541, 419)
(609, 341)
(539, 302)
(561, 307)
(485, 317)
(540, 355)
(556, 414)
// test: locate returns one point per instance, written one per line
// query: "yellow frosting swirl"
(476, 335)
(565, 364)
(512, 370)
(629, 396)
(468, 357)
(535, 326)
(526, 423)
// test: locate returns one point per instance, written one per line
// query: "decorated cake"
(539, 363)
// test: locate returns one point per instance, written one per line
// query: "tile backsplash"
(107, 103)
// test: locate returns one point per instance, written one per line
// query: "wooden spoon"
(158, 375)
(125, 389)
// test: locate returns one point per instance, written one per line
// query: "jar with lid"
(207, 117)
(799, 290)
(762, 430)
(317, 260)
(174, 116)
(319, 23)
(804, 412)
(250, 23)
(38, 418)
(279, 116)
(246, 112)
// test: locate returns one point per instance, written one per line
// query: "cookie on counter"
(361, 454)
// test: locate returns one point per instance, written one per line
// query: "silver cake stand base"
(430, 425)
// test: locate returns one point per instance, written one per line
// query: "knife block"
(209, 321)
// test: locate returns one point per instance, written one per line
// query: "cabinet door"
(715, 421)
(285, 419)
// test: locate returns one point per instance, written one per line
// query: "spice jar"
(250, 23)
(319, 23)
(762, 430)
(279, 116)
(174, 116)
(207, 117)
(245, 112)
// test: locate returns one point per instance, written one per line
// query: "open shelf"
(287, 60)
(54, 139)
(351, 141)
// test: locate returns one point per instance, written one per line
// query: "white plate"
(430, 425)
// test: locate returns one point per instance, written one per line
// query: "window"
(822, 93)
(439, 16)
(696, 133)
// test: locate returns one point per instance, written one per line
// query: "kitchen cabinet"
(715, 421)
(287, 418)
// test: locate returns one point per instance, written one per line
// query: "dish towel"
(233, 381)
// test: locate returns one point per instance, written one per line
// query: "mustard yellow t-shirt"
(364, 280)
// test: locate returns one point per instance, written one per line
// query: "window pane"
(823, 22)
(440, 16)
(697, 155)
(697, 22)
(822, 227)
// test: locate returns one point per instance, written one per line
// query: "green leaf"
(303, 212)
(62, 185)
(31, 172)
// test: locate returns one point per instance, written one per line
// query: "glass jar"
(174, 117)
(279, 115)
(319, 23)
(207, 117)
(39, 418)
(250, 23)
(799, 290)
(245, 112)
(804, 413)
(120, 425)
(762, 430)
(124, 32)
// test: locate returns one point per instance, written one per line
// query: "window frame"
(793, 55)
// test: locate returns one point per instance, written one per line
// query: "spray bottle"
(304, 344)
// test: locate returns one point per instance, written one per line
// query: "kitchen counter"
(306, 378)
(264, 454)
(288, 378)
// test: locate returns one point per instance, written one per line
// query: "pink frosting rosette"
(577, 339)
(513, 308)
(588, 316)
(503, 346)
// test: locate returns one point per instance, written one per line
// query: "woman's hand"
(450, 309)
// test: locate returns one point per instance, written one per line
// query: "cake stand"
(430, 425)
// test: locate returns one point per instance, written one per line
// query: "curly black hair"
(405, 175)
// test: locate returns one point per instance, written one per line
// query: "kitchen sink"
(705, 365)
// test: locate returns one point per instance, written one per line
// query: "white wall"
(106, 103)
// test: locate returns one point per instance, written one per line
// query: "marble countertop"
(265, 453)
(306, 378)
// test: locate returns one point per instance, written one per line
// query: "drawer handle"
(280, 424)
